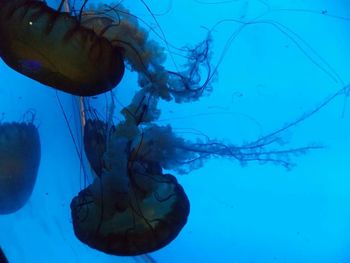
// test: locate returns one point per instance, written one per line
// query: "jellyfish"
(3, 258)
(52, 47)
(132, 207)
(19, 163)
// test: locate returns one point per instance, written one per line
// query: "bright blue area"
(271, 72)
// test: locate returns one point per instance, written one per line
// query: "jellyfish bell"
(53, 48)
(131, 208)
(19, 163)
(130, 223)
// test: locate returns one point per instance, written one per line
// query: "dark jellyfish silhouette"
(131, 208)
(84, 54)
(53, 48)
(19, 163)
(3, 258)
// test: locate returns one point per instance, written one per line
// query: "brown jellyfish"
(53, 48)
(131, 208)
(19, 163)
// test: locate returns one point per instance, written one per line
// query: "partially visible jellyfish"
(19, 163)
(3, 258)
(53, 48)
(84, 54)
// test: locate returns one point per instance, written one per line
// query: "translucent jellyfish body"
(52, 47)
(131, 208)
(19, 163)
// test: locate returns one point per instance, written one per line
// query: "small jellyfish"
(19, 163)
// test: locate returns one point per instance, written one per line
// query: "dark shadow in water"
(3, 258)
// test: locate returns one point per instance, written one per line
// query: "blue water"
(286, 60)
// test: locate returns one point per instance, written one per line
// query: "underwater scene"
(174, 131)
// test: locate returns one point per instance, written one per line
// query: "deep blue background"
(272, 72)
